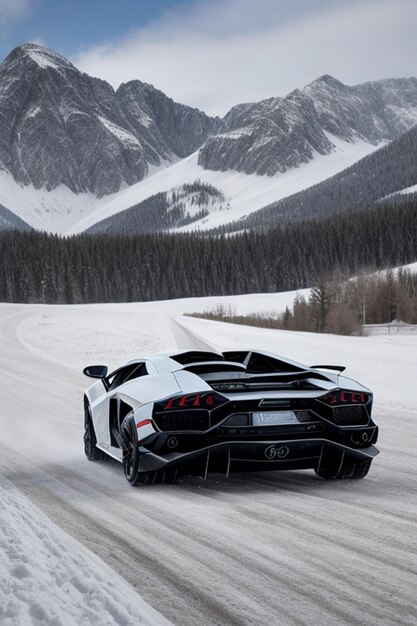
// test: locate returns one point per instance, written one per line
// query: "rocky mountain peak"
(183, 128)
(278, 134)
(61, 126)
(328, 81)
(39, 56)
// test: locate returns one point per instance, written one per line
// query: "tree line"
(339, 306)
(39, 267)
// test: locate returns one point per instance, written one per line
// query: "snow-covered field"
(141, 328)
(262, 548)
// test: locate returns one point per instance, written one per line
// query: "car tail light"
(206, 400)
(346, 408)
(340, 397)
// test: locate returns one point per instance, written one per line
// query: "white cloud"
(222, 52)
(11, 10)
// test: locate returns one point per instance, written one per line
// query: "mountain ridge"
(71, 144)
(380, 176)
(61, 126)
(274, 135)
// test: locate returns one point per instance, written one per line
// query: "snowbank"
(49, 579)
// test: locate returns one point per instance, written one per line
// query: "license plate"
(274, 418)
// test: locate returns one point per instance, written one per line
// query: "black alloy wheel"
(131, 456)
(91, 451)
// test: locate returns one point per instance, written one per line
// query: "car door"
(119, 405)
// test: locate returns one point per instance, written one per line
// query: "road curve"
(283, 548)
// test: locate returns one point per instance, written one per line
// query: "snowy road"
(284, 548)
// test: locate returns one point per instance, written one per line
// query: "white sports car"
(194, 412)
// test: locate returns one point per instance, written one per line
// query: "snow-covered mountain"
(63, 127)
(389, 173)
(170, 210)
(73, 151)
(243, 193)
(275, 135)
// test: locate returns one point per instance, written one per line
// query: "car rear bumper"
(248, 456)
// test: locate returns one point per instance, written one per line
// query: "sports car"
(195, 412)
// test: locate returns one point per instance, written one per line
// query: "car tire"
(348, 471)
(131, 456)
(90, 448)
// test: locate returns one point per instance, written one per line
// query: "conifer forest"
(42, 268)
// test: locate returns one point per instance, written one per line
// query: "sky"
(213, 54)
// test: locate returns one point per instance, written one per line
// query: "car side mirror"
(95, 371)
